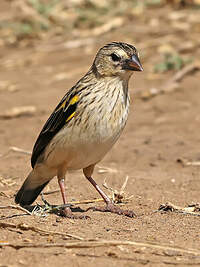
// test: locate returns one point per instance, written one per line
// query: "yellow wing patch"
(74, 100)
(70, 117)
(71, 102)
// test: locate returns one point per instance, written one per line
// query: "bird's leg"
(104, 196)
(110, 207)
(67, 211)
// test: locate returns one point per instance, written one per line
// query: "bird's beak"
(133, 64)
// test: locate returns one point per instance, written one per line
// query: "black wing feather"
(54, 123)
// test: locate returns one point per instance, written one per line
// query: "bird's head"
(117, 59)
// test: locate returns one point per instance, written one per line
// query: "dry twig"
(186, 162)
(16, 208)
(19, 150)
(108, 26)
(193, 209)
(118, 196)
(87, 201)
(101, 243)
(102, 169)
(138, 259)
(25, 227)
(8, 182)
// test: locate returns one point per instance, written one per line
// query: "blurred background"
(45, 47)
(165, 32)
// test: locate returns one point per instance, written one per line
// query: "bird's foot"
(110, 207)
(66, 212)
(62, 210)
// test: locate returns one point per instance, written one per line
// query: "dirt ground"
(160, 130)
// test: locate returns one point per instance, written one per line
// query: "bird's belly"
(78, 149)
(86, 155)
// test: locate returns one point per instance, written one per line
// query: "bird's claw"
(67, 213)
(114, 209)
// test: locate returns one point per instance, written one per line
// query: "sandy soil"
(159, 131)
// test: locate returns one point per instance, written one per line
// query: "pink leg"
(67, 211)
(104, 196)
(61, 183)
(110, 207)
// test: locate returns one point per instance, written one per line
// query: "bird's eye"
(115, 57)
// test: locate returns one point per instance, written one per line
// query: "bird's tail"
(30, 189)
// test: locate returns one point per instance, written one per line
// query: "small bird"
(84, 126)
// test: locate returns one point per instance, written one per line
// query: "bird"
(84, 126)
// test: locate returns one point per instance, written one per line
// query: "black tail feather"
(28, 196)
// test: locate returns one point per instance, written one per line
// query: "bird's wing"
(62, 114)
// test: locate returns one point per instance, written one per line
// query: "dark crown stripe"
(126, 47)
